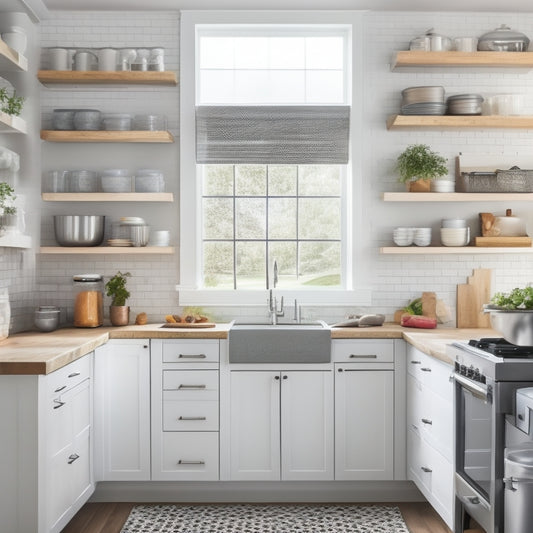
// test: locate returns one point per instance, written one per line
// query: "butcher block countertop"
(42, 353)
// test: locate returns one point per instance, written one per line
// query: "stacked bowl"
(465, 104)
(454, 232)
(422, 236)
(115, 180)
(403, 236)
(425, 100)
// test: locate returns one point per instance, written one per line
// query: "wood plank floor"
(420, 517)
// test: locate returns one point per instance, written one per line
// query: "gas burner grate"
(501, 348)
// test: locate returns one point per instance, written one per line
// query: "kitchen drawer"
(192, 415)
(189, 456)
(431, 372)
(190, 351)
(69, 413)
(362, 351)
(191, 384)
(69, 376)
(432, 474)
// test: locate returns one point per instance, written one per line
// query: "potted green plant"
(11, 105)
(8, 210)
(418, 163)
(119, 312)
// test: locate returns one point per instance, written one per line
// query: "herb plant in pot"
(417, 165)
(119, 312)
(8, 211)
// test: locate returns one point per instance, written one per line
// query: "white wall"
(394, 279)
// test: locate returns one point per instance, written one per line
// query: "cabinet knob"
(285, 376)
(72, 458)
(186, 462)
(276, 377)
(426, 469)
(145, 345)
(427, 421)
(416, 362)
(74, 374)
(340, 370)
(425, 369)
(58, 404)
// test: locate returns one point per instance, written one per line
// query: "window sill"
(201, 297)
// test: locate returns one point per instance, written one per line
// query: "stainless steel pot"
(503, 39)
(515, 327)
(79, 230)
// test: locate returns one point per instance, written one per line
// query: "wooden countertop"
(42, 353)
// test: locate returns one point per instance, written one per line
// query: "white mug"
(59, 59)
(107, 59)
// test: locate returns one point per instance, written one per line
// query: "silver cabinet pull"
(59, 404)
(192, 356)
(72, 458)
(427, 421)
(473, 500)
(425, 369)
(426, 469)
(416, 362)
(185, 462)
(362, 356)
(74, 374)
(182, 386)
(192, 418)
(59, 389)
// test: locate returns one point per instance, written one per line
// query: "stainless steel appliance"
(487, 374)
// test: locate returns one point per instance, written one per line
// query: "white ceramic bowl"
(453, 223)
(455, 236)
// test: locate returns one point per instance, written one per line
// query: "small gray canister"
(518, 489)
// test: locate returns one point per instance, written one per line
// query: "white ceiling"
(375, 5)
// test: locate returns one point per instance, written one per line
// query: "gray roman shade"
(272, 134)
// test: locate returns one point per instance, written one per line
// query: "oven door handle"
(476, 390)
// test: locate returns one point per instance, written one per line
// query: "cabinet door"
(122, 376)
(307, 425)
(364, 423)
(69, 481)
(255, 425)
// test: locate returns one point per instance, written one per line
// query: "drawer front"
(190, 415)
(364, 351)
(189, 456)
(416, 361)
(191, 384)
(190, 351)
(69, 376)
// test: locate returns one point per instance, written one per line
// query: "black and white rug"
(264, 518)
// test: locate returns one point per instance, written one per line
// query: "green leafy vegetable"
(516, 299)
(414, 307)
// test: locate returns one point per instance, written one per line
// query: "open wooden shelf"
(107, 197)
(417, 58)
(11, 124)
(107, 136)
(11, 60)
(117, 250)
(459, 121)
(434, 250)
(456, 197)
(73, 77)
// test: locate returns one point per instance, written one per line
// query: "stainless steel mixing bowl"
(515, 327)
(79, 230)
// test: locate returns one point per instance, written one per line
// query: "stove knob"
(457, 367)
(470, 372)
(462, 370)
(477, 375)
(483, 379)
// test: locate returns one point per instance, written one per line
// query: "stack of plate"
(426, 100)
(465, 104)
(119, 242)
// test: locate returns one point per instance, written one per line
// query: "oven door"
(474, 434)
(475, 448)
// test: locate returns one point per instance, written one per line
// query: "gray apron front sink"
(280, 343)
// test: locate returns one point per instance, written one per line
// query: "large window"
(270, 209)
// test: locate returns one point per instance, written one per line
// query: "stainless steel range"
(487, 374)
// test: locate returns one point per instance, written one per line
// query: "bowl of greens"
(511, 315)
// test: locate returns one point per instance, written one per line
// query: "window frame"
(190, 293)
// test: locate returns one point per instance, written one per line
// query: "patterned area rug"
(263, 518)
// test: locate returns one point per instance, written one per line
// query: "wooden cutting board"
(470, 299)
(503, 241)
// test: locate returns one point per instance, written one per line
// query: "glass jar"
(88, 300)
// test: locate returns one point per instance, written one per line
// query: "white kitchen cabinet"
(46, 464)
(122, 410)
(364, 421)
(430, 430)
(185, 409)
(281, 425)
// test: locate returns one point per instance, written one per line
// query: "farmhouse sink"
(280, 343)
